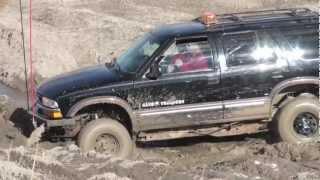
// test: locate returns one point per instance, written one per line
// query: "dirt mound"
(68, 34)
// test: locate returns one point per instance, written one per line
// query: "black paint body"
(197, 88)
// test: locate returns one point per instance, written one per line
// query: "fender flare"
(105, 100)
(291, 82)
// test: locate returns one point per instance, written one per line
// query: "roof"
(181, 29)
(236, 20)
(264, 17)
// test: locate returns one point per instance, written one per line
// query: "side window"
(249, 48)
(187, 56)
(239, 48)
(303, 41)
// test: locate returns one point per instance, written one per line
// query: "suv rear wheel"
(106, 136)
(298, 121)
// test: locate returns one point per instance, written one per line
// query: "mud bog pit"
(241, 157)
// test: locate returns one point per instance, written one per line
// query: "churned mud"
(71, 34)
(200, 158)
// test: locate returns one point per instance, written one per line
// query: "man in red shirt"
(191, 60)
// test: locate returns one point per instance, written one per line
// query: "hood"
(92, 77)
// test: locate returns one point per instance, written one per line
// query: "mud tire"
(284, 125)
(88, 136)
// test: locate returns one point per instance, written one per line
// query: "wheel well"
(289, 93)
(295, 91)
(301, 89)
(112, 111)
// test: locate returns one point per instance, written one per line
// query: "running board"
(232, 129)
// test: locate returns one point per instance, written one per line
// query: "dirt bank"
(69, 34)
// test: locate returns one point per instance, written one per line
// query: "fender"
(290, 82)
(107, 100)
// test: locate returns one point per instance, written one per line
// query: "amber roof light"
(208, 18)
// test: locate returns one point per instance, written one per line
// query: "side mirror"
(154, 72)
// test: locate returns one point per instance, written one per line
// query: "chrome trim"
(205, 114)
(240, 107)
(247, 102)
(40, 106)
(181, 109)
(251, 108)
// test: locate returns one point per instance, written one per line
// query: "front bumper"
(41, 118)
(53, 123)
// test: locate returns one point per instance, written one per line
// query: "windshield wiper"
(109, 64)
(117, 67)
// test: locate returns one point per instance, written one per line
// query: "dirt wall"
(69, 34)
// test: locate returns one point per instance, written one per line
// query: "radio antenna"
(24, 55)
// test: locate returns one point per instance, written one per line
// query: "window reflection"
(303, 42)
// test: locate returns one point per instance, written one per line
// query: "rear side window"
(238, 48)
(248, 48)
(303, 41)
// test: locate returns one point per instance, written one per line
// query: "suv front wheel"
(106, 136)
(298, 121)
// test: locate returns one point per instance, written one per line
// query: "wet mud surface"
(238, 157)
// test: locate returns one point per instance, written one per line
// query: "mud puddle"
(198, 158)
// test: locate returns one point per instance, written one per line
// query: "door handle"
(213, 80)
(277, 75)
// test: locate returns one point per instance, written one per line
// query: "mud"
(72, 34)
(237, 157)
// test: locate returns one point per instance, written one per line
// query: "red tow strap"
(32, 88)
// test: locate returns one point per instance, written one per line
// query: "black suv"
(210, 75)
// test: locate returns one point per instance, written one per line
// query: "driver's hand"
(171, 68)
(179, 62)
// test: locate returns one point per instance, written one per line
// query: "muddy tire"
(106, 136)
(298, 121)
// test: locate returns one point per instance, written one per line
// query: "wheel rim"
(107, 143)
(306, 124)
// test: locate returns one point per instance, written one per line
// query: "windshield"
(139, 53)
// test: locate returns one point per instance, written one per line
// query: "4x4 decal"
(162, 103)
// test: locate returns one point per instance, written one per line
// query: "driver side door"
(186, 93)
